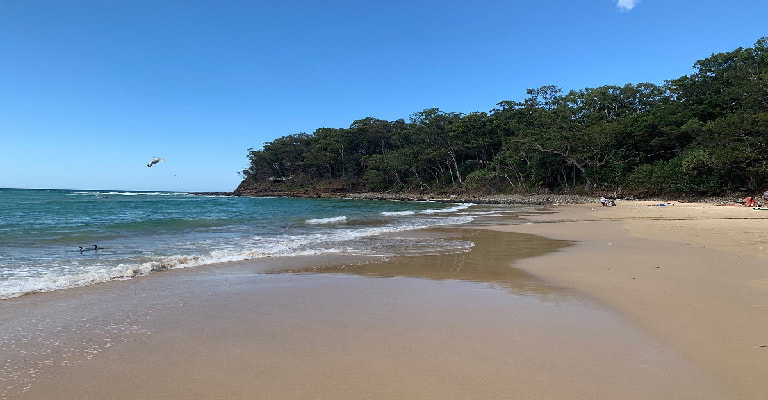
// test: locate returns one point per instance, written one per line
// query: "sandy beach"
(576, 302)
(693, 274)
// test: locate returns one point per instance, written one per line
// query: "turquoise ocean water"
(137, 233)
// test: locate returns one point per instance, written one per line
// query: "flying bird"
(155, 161)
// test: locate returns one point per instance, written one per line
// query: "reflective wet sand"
(456, 326)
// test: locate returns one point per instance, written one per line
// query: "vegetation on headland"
(704, 134)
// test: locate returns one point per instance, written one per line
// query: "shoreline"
(455, 326)
(693, 274)
(502, 199)
(644, 304)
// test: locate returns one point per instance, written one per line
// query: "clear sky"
(91, 90)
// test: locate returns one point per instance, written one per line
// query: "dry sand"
(649, 303)
(695, 275)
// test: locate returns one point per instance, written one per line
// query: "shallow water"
(47, 237)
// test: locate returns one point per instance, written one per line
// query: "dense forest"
(698, 135)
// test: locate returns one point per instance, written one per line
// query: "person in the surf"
(94, 247)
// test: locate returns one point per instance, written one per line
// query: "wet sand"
(458, 326)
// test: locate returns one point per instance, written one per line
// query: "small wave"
(332, 220)
(456, 208)
(396, 213)
(21, 285)
(124, 193)
(143, 193)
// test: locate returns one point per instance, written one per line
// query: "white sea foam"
(50, 281)
(396, 213)
(332, 220)
(456, 208)
(124, 193)
(127, 193)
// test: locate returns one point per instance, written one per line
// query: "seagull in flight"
(155, 161)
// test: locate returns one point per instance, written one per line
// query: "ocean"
(58, 239)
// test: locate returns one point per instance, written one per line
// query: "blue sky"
(90, 91)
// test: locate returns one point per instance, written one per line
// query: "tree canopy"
(701, 134)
